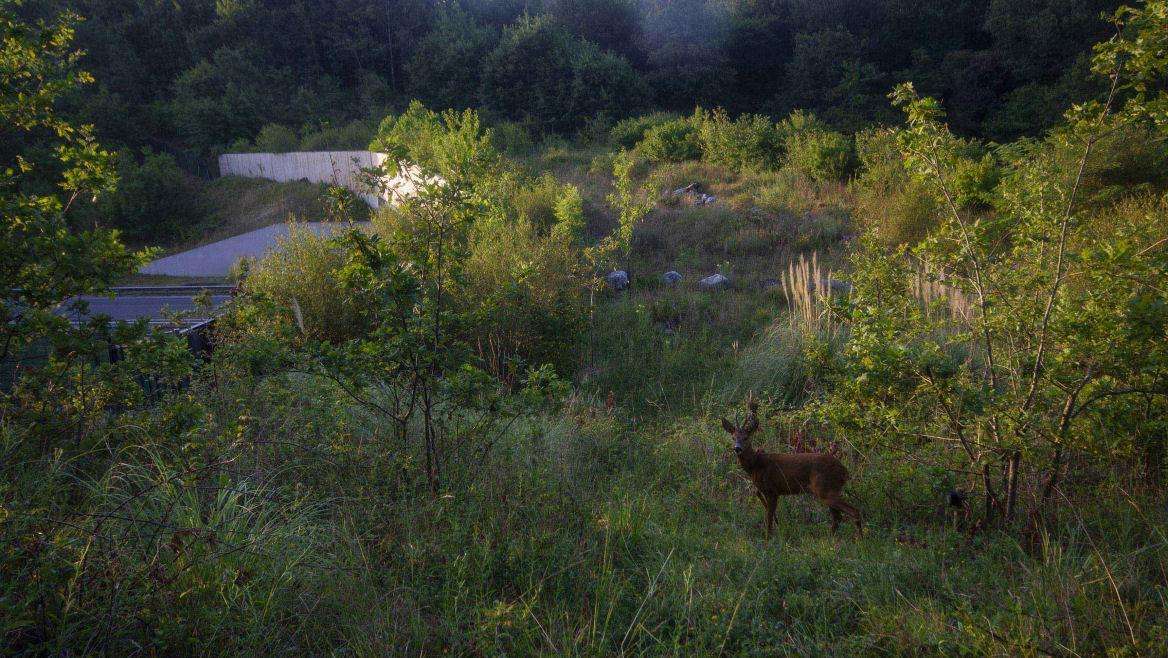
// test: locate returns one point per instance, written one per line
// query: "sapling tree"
(43, 260)
(631, 203)
(1067, 325)
(416, 349)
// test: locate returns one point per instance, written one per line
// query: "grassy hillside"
(277, 498)
(238, 205)
(486, 424)
(598, 529)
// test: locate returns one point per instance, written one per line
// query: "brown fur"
(774, 475)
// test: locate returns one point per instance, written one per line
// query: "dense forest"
(913, 255)
(194, 77)
(177, 83)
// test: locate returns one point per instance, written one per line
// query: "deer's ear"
(727, 426)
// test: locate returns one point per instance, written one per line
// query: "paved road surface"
(216, 259)
(132, 307)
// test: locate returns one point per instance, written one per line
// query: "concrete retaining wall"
(344, 168)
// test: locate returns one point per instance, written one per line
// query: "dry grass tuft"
(928, 288)
(808, 289)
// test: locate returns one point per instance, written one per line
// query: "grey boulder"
(714, 282)
(837, 286)
(617, 280)
(671, 277)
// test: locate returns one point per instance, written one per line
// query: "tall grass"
(935, 296)
(808, 289)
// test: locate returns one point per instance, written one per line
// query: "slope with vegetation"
(178, 83)
(450, 435)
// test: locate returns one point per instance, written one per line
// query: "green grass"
(237, 205)
(586, 531)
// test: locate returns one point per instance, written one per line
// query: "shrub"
(523, 293)
(226, 97)
(750, 142)
(446, 66)
(450, 145)
(301, 279)
(800, 121)
(821, 155)
(570, 222)
(410, 135)
(541, 72)
(892, 205)
(352, 136)
(276, 138)
(603, 84)
(1129, 162)
(627, 132)
(512, 138)
(536, 203)
(595, 129)
(790, 190)
(672, 141)
(974, 179)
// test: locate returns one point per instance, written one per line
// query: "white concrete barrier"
(345, 168)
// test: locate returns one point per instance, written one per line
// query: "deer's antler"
(752, 413)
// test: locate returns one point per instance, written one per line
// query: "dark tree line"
(192, 77)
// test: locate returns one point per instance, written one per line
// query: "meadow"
(452, 434)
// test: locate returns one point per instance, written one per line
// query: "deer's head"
(742, 433)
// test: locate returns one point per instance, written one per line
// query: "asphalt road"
(127, 308)
(216, 259)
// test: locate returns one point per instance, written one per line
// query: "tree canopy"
(191, 78)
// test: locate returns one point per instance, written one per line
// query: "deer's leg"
(853, 512)
(771, 503)
(762, 499)
(838, 505)
(835, 519)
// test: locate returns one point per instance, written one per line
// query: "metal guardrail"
(220, 288)
(141, 298)
(197, 331)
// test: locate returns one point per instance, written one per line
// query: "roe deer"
(774, 475)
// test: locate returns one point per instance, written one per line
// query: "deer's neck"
(750, 460)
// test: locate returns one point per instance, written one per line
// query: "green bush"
(524, 293)
(543, 73)
(1130, 162)
(512, 138)
(627, 132)
(276, 138)
(352, 136)
(446, 66)
(569, 211)
(536, 203)
(749, 143)
(226, 97)
(789, 190)
(451, 144)
(974, 179)
(672, 141)
(301, 279)
(892, 205)
(821, 155)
